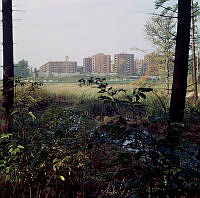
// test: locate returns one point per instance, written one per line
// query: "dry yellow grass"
(76, 94)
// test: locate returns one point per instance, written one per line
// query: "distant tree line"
(22, 69)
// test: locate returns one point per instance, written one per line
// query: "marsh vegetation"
(72, 141)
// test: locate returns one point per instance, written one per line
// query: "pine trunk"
(8, 64)
(194, 65)
(179, 87)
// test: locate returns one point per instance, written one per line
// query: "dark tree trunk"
(8, 64)
(179, 87)
(194, 65)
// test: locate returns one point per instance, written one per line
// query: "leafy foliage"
(22, 69)
(162, 35)
(129, 101)
(159, 3)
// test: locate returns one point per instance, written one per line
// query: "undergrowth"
(119, 145)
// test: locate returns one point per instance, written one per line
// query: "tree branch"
(170, 9)
(161, 15)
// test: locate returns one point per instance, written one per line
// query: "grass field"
(76, 94)
(86, 97)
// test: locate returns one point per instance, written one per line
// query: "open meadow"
(78, 94)
(75, 93)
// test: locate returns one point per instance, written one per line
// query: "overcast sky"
(53, 29)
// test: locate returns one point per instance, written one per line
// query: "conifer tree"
(179, 86)
(8, 65)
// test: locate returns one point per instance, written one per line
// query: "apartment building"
(59, 67)
(101, 63)
(71, 66)
(54, 67)
(124, 64)
(139, 66)
(87, 64)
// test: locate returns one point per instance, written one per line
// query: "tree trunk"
(167, 73)
(194, 65)
(197, 65)
(8, 64)
(179, 86)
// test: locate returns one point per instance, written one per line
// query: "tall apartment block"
(124, 63)
(139, 66)
(101, 63)
(87, 64)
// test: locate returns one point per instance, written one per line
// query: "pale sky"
(53, 29)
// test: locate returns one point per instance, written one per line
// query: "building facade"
(124, 64)
(80, 69)
(87, 64)
(101, 63)
(59, 67)
(54, 67)
(139, 64)
(71, 66)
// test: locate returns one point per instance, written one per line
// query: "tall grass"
(75, 94)
(86, 98)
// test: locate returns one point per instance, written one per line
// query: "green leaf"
(145, 89)
(102, 91)
(32, 99)
(15, 111)
(14, 151)
(10, 150)
(5, 135)
(129, 98)
(113, 93)
(134, 91)
(32, 115)
(137, 97)
(20, 147)
(142, 95)
(123, 90)
(104, 98)
(55, 160)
